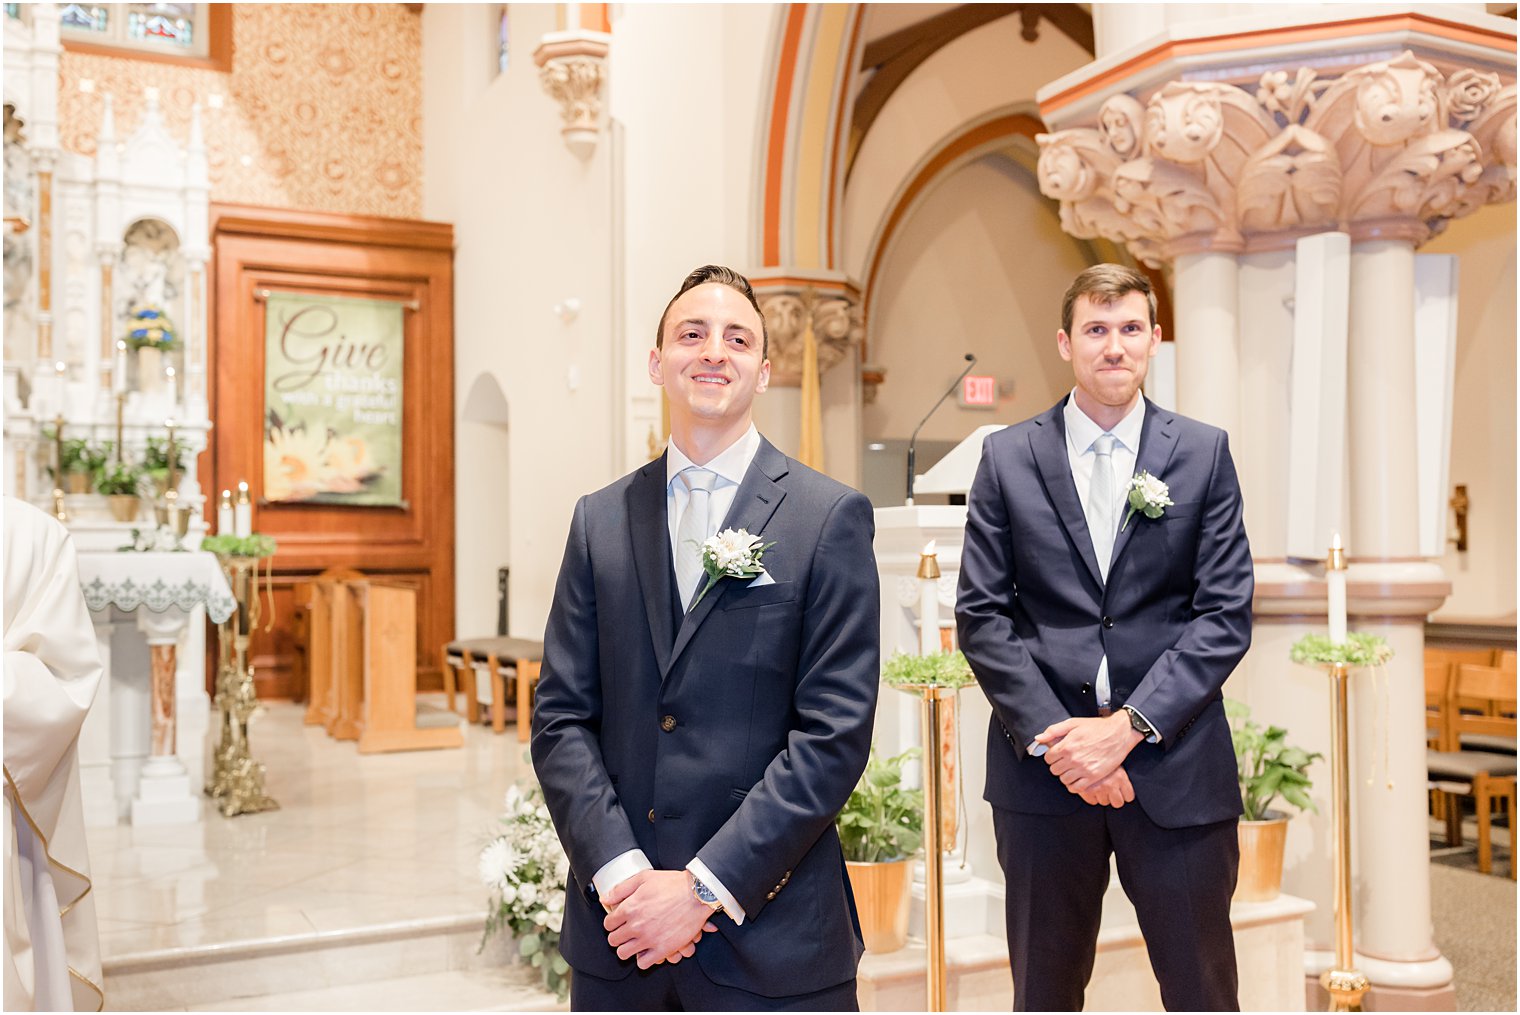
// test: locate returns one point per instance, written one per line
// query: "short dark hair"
(722, 276)
(1105, 284)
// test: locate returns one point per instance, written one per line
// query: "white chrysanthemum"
(497, 861)
(556, 920)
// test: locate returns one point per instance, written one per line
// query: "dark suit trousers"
(684, 987)
(1179, 879)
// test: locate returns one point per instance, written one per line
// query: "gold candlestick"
(1345, 985)
(58, 508)
(931, 697)
(237, 780)
(121, 408)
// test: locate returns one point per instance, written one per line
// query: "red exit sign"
(978, 392)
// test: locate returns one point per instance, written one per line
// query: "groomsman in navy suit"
(695, 743)
(1105, 595)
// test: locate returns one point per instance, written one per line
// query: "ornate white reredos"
(572, 66)
(1389, 149)
(833, 309)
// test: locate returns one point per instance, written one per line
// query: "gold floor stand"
(237, 781)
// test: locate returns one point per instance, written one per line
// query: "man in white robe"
(52, 667)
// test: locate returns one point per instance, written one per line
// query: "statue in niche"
(150, 273)
(18, 244)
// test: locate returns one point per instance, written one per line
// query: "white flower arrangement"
(526, 869)
(732, 553)
(1147, 495)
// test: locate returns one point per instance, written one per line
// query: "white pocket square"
(764, 579)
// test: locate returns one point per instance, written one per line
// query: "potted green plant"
(119, 483)
(1268, 768)
(155, 463)
(880, 830)
(77, 459)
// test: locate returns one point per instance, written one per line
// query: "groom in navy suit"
(695, 741)
(1105, 595)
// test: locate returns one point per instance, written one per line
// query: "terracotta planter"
(1261, 858)
(123, 506)
(78, 481)
(881, 898)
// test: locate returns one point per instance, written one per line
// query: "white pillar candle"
(119, 372)
(928, 602)
(1335, 585)
(243, 513)
(169, 382)
(224, 523)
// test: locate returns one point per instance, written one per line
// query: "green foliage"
(232, 546)
(882, 820)
(938, 669)
(118, 479)
(80, 454)
(1357, 650)
(1267, 766)
(156, 456)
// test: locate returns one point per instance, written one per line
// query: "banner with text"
(332, 400)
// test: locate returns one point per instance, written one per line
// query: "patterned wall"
(322, 110)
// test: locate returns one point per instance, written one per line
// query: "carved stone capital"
(832, 310)
(572, 67)
(1392, 148)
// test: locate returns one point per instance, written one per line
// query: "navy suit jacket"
(1174, 618)
(734, 733)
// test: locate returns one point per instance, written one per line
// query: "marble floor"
(361, 853)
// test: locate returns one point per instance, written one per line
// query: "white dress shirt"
(1081, 434)
(729, 466)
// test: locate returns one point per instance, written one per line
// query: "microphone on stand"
(912, 441)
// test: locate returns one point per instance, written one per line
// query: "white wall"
(1483, 419)
(686, 86)
(979, 266)
(531, 227)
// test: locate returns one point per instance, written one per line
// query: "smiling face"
(711, 361)
(1109, 348)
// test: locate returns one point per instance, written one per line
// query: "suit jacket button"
(1086, 688)
(668, 723)
(1108, 621)
(769, 896)
(651, 815)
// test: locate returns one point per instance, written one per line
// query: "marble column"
(1214, 155)
(1206, 300)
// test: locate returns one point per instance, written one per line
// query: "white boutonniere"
(731, 554)
(1147, 495)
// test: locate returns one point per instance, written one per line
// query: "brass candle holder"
(237, 781)
(59, 511)
(932, 699)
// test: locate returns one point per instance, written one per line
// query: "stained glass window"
(13, 11)
(85, 17)
(166, 22)
(184, 30)
(503, 40)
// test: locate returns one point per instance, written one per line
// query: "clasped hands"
(1088, 754)
(654, 915)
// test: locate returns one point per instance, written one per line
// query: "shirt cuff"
(617, 870)
(730, 904)
(1036, 749)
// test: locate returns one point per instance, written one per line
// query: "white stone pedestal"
(164, 796)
